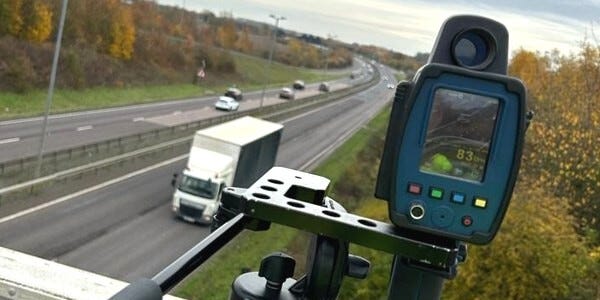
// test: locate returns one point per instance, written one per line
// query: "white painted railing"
(26, 277)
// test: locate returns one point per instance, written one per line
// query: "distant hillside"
(136, 42)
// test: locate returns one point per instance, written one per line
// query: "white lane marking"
(82, 128)
(10, 140)
(177, 112)
(138, 119)
(124, 108)
(321, 107)
(133, 174)
(106, 110)
(91, 189)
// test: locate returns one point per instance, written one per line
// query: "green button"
(436, 193)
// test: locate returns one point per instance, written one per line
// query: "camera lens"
(474, 49)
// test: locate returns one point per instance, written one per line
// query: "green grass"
(279, 74)
(400, 76)
(336, 164)
(213, 280)
(376, 284)
(32, 103)
(250, 69)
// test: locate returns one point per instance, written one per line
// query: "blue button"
(458, 197)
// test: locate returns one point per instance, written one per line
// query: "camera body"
(455, 136)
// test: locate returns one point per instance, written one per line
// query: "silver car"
(287, 93)
(227, 103)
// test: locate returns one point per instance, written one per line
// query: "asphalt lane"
(127, 231)
(21, 137)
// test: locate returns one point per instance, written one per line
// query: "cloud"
(410, 26)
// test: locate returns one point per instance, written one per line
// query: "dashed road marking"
(91, 189)
(10, 140)
(138, 119)
(82, 128)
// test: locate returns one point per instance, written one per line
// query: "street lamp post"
(63, 14)
(267, 68)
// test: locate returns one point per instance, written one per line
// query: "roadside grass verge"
(213, 280)
(400, 76)
(250, 77)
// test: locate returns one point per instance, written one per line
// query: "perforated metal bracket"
(286, 197)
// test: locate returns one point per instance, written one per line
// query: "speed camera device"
(455, 135)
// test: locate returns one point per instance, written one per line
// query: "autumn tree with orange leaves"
(227, 35)
(27, 19)
(563, 154)
(122, 34)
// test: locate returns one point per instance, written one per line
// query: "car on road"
(234, 93)
(287, 93)
(227, 103)
(390, 86)
(324, 87)
(298, 85)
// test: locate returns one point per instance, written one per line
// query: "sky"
(410, 26)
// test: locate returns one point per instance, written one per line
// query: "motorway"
(126, 230)
(21, 137)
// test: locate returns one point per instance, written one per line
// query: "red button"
(467, 221)
(414, 188)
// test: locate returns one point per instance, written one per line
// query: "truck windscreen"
(459, 134)
(198, 187)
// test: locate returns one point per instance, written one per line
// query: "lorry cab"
(197, 194)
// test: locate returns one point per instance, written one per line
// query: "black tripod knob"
(276, 268)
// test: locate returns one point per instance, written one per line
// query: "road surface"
(126, 230)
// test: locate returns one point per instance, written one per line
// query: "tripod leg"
(409, 283)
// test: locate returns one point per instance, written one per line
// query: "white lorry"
(235, 153)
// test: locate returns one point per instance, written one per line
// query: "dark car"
(298, 85)
(324, 87)
(234, 93)
(287, 93)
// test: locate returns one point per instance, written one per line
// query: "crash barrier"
(68, 166)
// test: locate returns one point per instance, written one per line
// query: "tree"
(536, 255)
(75, 28)
(207, 36)
(532, 68)
(312, 57)
(243, 42)
(226, 35)
(11, 20)
(562, 140)
(294, 52)
(37, 24)
(122, 34)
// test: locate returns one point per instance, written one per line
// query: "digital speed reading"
(459, 134)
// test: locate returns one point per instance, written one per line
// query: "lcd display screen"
(459, 134)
